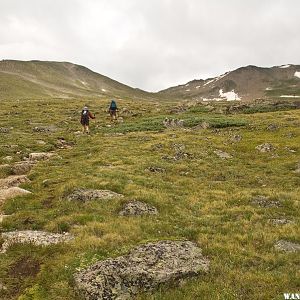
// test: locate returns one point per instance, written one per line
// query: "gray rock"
(38, 238)
(89, 194)
(138, 208)
(265, 202)
(145, 268)
(266, 147)
(222, 154)
(287, 246)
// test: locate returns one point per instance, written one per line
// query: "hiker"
(85, 118)
(113, 110)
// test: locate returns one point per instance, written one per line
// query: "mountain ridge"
(36, 78)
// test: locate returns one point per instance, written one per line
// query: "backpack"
(113, 105)
(85, 115)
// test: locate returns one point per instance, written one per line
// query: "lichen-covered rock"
(14, 180)
(287, 246)
(4, 130)
(281, 221)
(265, 202)
(266, 147)
(89, 194)
(145, 268)
(40, 156)
(222, 154)
(138, 208)
(173, 123)
(12, 192)
(38, 238)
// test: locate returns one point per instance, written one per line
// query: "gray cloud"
(152, 44)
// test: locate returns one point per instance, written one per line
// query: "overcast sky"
(153, 44)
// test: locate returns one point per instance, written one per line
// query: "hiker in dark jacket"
(113, 110)
(85, 119)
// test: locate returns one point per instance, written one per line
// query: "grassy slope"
(204, 198)
(36, 79)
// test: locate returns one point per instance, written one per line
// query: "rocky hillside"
(246, 83)
(35, 79)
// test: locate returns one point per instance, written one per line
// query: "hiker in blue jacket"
(113, 110)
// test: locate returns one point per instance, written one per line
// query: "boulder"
(37, 156)
(38, 238)
(11, 193)
(138, 208)
(21, 168)
(14, 180)
(89, 194)
(145, 268)
(287, 246)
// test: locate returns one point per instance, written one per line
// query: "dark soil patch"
(24, 267)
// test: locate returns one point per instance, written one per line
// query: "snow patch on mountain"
(284, 66)
(208, 82)
(289, 96)
(230, 96)
(297, 74)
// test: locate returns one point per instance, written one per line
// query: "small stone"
(272, 127)
(138, 208)
(4, 130)
(236, 138)
(2, 217)
(287, 246)
(8, 158)
(222, 154)
(266, 147)
(154, 169)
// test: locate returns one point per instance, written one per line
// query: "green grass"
(201, 198)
